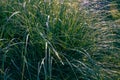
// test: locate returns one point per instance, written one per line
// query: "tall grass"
(107, 41)
(54, 41)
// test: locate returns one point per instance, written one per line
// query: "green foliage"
(54, 41)
(115, 9)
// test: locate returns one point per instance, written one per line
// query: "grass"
(56, 41)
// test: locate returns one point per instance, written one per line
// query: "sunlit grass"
(56, 41)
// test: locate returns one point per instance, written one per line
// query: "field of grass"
(57, 41)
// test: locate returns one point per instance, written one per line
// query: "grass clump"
(49, 41)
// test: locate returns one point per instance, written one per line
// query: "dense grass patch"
(56, 41)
